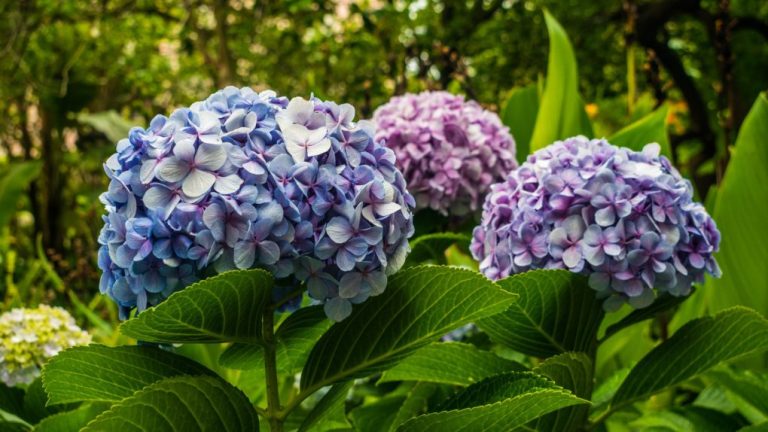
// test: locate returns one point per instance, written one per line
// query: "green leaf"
(686, 419)
(110, 123)
(181, 404)
(499, 403)
(431, 248)
(557, 313)
(746, 385)
(664, 302)
(12, 423)
(295, 338)
(71, 420)
(335, 397)
(11, 399)
(99, 373)
(13, 182)
(572, 371)
(650, 129)
(741, 210)
(377, 417)
(416, 403)
(519, 114)
(561, 111)
(224, 308)
(420, 304)
(449, 363)
(695, 348)
(35, 401)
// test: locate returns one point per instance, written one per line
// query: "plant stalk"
(270, 368)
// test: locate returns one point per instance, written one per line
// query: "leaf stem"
(270, 368)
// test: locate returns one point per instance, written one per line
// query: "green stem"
(270, 368)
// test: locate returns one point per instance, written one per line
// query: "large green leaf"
(420, 304)
(557, 312)
(431, 248)
(686, 419)
(295, 338)
(741, 211)
(746, 385)
(519, 114)
(695, 348)
(333, 400)
(416, 403)
(224, 308)
(73, 420)
(99, 373)
(561, 111)
(13, 182)
(499, 403)
(449, 363)
(181, 404)
(110, 123)
(572, 371)
(650, 129)
(379, 416)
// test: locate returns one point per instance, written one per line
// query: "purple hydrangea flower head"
(624, 218)
(246, 179)
(450, 150)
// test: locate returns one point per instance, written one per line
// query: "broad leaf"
(224, 308)
(110, 123)
(99, 373)
(561, 111)
(420, 305)
(572, 371)
(741, 211)
(334, 399)
(13, 182)
(650, 129)
(295, 338)
(35, 403)
(746, 385)
(71, 420)
(431, 248)
(11, 399)
(181, 404)
(695, 348)
(686, 419)
(449, 363)
(416, 403)
(500, 403)
(519, 114)
(557, 313)
(379, 416)
(662, 303)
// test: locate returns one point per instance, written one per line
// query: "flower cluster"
(29, 337)
(624, 218)
(450, 150)
(246, 179)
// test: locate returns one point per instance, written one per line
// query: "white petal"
(228, 184)
(147, 171)
(173, 170)
(386, 209)
(210, 157)
(319, 148)
(157, 197)
(197, 183)
(185, 148)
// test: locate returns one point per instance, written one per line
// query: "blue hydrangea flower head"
(450, 150)
(246, 179)
(626, 219)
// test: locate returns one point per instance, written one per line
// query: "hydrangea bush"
(31, 336)
(245, 179)
(450, 150)
(627, 219)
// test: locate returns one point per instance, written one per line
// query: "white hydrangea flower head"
(31, 336)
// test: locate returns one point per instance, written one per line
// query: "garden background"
(76, 75)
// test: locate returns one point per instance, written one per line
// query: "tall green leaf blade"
(73, 420)
(696, 347)
(13, 182)
(431, 248)
(746, 385)
(334, 399)
(561, 111)
(181, 404)
(572, 371)
(741, 210)
(519, 114)
(416, 403)
(223, 308)
(449, 363)
(99, 373)
(557, 312)
(650, 129)
(499, 403)
(420, 304)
